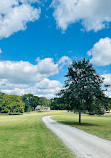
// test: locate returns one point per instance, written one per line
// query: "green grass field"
(26, 136)
(97, 125)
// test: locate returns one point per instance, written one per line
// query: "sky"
(39, 39)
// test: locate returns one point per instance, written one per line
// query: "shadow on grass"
(77, 123)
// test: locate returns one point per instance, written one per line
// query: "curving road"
(84, 145)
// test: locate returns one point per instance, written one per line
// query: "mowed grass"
(96, 125)
(26, 136)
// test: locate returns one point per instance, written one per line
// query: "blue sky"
(54, 32)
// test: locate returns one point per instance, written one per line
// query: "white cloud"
(44, 88)
(15, 14)
(108, 94)
(47, 66)
(46, 83)
(101, 52)
(21, 77)
(18, 72)
(1, 51)
(107, 79)
(93, 14)
(23, 72)
(65, 60)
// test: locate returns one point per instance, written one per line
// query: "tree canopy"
(82, 88)
(12, 104)
(32, 101)
(57, 104)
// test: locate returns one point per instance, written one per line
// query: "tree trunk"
(79, 118)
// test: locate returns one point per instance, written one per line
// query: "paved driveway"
(84, 145)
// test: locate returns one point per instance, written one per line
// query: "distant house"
(42, 108)
(46, 108)
(38, 108)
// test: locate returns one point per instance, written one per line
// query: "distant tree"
(12, 104)
(82, 88)
(54, 104)
(1, 99)
(44, 101)
(107, 103)
(57, 104)
(34, 101)
(27, 99)
(16, 107)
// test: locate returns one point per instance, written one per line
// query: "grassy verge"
(26, 136)
(97, 125)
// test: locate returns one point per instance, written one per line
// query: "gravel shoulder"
(83, 144)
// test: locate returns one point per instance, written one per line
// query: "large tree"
(82, 88)
(12, 104)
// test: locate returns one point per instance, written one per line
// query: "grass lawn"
(97, 125)
(26, 136)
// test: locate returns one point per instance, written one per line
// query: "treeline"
(14, 104)
(99, 106)
(57, 104)
(32, 101)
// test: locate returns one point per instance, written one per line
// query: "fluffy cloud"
(48, 84)
(65, 60)
(101, 52)
(107, 79)
(23, 72)
(15, 14)
(108, 94)
(93, 14)
(44, 88)
(20, 77)
(18, 72)
(47, 66)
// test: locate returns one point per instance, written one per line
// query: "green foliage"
(12, 104)
(107, 102)
(27, 99)
(56, 104)
(16, 107)
(100, 106)
(1, 99)
(44, 101)
(32, 101)
(16, 104)
(97, 108)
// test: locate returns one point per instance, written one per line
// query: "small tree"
(82, 88)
